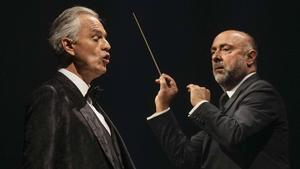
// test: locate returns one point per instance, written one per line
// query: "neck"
(234, 83)
(84, 76)
(230, 83)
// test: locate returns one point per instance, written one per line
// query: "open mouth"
(106, 59)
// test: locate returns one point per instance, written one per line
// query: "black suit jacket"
(59, 133)
(249, 132)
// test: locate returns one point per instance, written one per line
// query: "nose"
(106, 46)
(216, 57)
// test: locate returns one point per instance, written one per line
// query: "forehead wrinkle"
(92, 23)
(97, 28)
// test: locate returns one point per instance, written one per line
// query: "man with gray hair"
(65, 127)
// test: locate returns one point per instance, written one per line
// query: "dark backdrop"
(179, 32)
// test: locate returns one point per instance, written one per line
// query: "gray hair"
(67, 24)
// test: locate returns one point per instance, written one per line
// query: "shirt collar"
(231, 92)
(79, 83)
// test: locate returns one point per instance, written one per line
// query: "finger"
(167, 77)
(157, 81)
(173, 84)
(163, 82)
(189, 87)
(169, 80)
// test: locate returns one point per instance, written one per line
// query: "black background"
(179, 32)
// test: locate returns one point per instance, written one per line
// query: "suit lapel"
(114, 132)
(236, 94)
(82, 108)
(87, 113)
(125, 159)
(99, 131)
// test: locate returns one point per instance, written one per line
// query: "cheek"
(95, 61)
(230, 61)
(90, 55)
(93, 55)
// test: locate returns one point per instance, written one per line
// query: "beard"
(230, 76)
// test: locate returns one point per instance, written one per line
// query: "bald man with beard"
(249, 128)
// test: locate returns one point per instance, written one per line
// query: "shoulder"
(263, 92)
(262, 86)
(50, 89)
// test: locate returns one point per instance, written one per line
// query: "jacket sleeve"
(183, 152)
(40, 129)
(252, 112)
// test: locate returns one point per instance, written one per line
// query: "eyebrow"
(102, 33)
(221, 46)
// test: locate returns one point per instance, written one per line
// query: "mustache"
(218, 65)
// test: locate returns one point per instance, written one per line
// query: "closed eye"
(96, 38)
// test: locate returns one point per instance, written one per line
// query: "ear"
(68, 45)
(251, 57)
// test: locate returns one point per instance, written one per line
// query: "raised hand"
(167, 91)
(198, 94)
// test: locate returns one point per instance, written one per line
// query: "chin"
(100, 72)
(219, 77)
(101, 69)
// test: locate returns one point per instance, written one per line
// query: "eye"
(212, 52)
(96, 38)
(226, 48)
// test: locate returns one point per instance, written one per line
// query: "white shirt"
(83, 87)
(229, 93)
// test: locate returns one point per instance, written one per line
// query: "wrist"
(161, 107)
